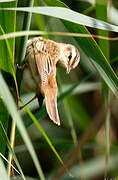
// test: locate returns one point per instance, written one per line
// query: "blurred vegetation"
(85, 146)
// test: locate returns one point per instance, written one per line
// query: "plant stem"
(26, 26)
(22, 47)
(101, 13)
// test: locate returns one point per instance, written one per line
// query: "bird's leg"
(21, 107)
(40, 101)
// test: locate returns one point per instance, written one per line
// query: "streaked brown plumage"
(42, 56)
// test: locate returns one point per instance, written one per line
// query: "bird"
(43, 56)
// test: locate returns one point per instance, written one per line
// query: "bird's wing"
(47, 73)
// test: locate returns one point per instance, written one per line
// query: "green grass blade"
(4, 118)
(7, 46)
(43, 133)
(6, 55)
(8, 100)
(40, 20)
(8, 23)
(68, 15)
(101, 13)
(26, 26)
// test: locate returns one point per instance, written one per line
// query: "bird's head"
(69, 57)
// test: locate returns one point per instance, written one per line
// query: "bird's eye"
(70, 56)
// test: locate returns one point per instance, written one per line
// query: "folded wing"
(48, 85)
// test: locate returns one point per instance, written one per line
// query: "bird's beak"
(68, 69)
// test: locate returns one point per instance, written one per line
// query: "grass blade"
(26, 26)
(4, 119)
(7, 26)
(101, 13)
(68, 15)
(8, 100)
(43, 133)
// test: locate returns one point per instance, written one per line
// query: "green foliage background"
(85, 145)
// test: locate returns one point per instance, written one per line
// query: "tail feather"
(51, 105)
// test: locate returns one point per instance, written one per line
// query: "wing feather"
(48, 85)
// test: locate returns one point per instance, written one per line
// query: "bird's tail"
(51, 102)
